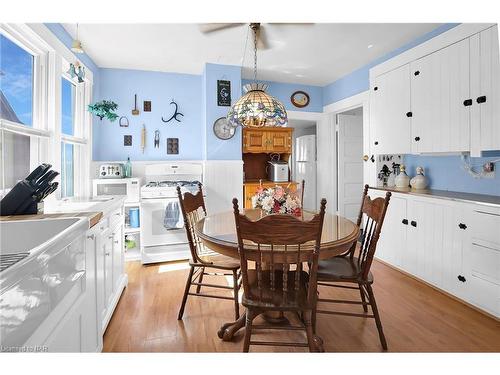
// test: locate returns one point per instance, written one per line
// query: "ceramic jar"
(402, 180)
(419, 182)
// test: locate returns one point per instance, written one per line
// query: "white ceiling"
(315, 54)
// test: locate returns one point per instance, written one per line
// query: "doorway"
(349, 139)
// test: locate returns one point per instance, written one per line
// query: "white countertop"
(104, 204)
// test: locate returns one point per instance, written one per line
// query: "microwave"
(131, 187)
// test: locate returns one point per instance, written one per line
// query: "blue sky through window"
(16, 80)
(67, 106)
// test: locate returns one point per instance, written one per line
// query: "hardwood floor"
(416, 318)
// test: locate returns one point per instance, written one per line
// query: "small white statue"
(402, 180)
(419, 182)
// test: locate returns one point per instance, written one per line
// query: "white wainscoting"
(223, 181)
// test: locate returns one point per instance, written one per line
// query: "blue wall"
(283, 91)
(447, 173)
(215, 148)
(358, 81)
(160, 88)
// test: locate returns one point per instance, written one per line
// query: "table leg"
(227, 331)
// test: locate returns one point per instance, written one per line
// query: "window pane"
(67, 106)
(16, 83)
(67, 173)
(16, 158)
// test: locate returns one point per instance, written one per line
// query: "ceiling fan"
(260, 30)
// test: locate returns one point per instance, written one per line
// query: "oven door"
(153, 232)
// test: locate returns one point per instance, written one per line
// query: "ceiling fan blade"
(262, 41)
(211, 27)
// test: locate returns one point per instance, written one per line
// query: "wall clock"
(300, 99)
(222, 130)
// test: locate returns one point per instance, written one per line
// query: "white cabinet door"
(91, 341)
(118, 257)
(392, 242)
(390, 109)
(108, 268)
(327, 160)
(440, 100)
(485, 90)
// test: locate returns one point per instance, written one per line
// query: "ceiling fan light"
(76, 46)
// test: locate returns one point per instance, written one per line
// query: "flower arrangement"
(277, 200)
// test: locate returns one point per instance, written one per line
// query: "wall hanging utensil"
(157, 139)
(143, 138)
(135, 111)
(172, 145)
(147, 106)
(175, 115)
(223, 93)
(124, 122)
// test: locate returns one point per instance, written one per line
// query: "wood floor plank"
(416, 318)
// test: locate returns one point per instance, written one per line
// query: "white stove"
(163, 237)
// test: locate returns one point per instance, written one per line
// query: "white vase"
(419, 182)
(402, 180)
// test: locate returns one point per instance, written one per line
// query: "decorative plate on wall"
(300, 99)
(222, 130)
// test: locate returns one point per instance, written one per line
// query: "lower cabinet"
(451, 245)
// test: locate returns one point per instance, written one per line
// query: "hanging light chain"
(254, 28)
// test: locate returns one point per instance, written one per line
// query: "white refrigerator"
(305, 168)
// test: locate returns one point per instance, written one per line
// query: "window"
(67, 170)
(68, 100)
(16, 89)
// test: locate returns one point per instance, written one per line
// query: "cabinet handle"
(405, 221)
(118, 214)
(416, 73)
(107, 254)
(372, 159)
(417, 139)
(90, 237)
(409, 114)
(376, 143)
(365, 157)
(375, 88)
(481, 99)
(116, 241)
(468, 102)
(110, 237)
(461, 278)
(413, 223)
(462, 226)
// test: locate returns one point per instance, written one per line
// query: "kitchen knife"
(38, 172)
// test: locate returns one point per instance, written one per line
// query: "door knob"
(366, 157)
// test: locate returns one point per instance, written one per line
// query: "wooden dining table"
(218, 233)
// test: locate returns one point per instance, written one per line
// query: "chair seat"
(217, 261)
(276, 299)
(341, 269)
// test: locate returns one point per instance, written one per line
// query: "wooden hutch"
(258, 146)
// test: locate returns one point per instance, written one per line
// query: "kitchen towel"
(173, 218)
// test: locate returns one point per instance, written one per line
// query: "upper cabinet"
(390, 112)
(267, 140)
(485, 91)
(446, 100)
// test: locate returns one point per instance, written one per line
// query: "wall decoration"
(300, 99)
(172, 146)
(175, 115)
(103, 109)
(127, 140)
(147, 106)
(223, 93)
(143, 138)
(135, 111)
(123, 122)
(157, 139)
(222, 130)
(76, 70)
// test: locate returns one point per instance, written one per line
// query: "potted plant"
(104, 109)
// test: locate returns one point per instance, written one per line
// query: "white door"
(153, 230)
(350, 165)
(326, 161)
(440, 100)
(485, 91)
(390, 112)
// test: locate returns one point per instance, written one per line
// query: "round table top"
(218, 232)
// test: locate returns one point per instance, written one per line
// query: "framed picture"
(223, 93)
(300, 99)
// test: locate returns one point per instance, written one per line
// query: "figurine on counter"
(402, 180)
(419, 182)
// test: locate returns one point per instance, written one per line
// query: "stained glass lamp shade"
(256, 109)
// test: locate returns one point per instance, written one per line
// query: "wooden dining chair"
(192, 206)
(351, 269)
(279, 246)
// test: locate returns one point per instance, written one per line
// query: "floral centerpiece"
(277, 200)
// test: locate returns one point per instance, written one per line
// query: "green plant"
(103, 109)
